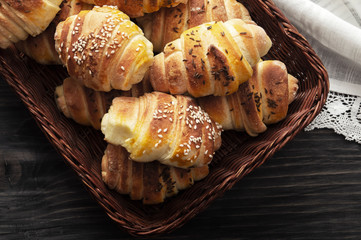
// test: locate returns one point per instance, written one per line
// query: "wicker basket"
(83, 147)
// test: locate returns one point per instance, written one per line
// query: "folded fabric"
(336, 41)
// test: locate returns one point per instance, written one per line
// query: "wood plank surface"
(311, 189)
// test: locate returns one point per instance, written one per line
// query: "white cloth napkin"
(333, 28)
(336, 40)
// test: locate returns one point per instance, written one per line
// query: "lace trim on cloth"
(342, 113)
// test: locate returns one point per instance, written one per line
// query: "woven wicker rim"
(83, 147)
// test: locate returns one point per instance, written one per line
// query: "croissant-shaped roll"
(21, 18)
(86, 106)
(103, 49)
(151, 182)
(159, 126)
(261, 101)
(166, 25)
(42, 47)
(210, 59)
(137, 8)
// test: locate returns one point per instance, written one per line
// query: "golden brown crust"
(158, 126)
(86, 106)
(88, 1)
(260, 101)
(75, 97)
(236, 10)
(250, 111)
(132, 8)
(166, 25)
(150, 182)
(25, 6)
(137, 8)
(154, 188)
(70, 8)
(137, 189)
(42, 47)
(103, 49)
(210, 59)
(293, 88)
(274, 78)
(19, 19)
(113, 159)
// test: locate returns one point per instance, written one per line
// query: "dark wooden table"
(311, 189)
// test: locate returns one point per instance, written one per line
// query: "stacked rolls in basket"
(162, 115)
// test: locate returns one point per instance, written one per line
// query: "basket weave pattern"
(83, 147)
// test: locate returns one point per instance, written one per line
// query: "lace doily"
(342, 113)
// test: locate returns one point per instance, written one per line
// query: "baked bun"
(41, 48)
(21, 18)
(103, 49)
